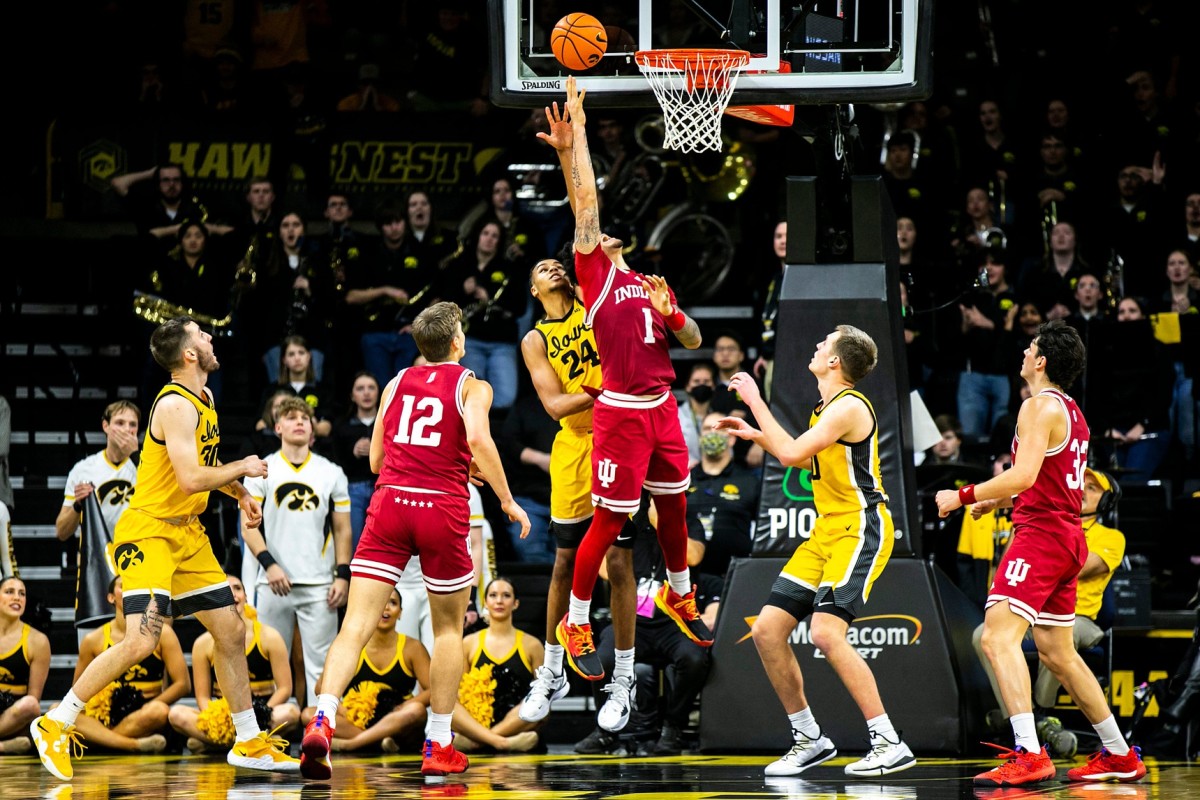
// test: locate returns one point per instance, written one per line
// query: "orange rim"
(681, 58)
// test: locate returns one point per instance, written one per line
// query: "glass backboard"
(809, 53)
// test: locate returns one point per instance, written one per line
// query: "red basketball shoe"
(580, 649)
(1104, 766)
(1020, 767)
(314, 749)
(438, 761)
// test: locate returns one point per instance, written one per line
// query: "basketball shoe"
(1020, 767)
(806, 752)
(1104, 766)
(438, 761)
(315, 747)
(580, 650)
(545, 689)
(614, 714)
(55, 744)
(885, 758)
(683, 611)
(266, 752)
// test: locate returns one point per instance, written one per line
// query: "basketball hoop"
(693, 87)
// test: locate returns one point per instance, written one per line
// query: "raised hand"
(561, 136)
(575, 102)
(660, 294)
(736, 426)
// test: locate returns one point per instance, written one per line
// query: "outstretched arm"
(561, 138)
(581, 177)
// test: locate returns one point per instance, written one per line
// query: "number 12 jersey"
(425, 438)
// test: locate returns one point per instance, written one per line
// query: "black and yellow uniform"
(397, 675)
(14, 668)
(145, 676)
(512, 672)
(159, 546)
(571, 350)
(853, 536)
(258, 666)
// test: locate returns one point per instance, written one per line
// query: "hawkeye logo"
(120, 490)
(868, 635)
(796, 520)
(128, 555)
(6, 676)
(134, 673)
(297, 496)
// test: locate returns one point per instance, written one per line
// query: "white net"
(693, 87)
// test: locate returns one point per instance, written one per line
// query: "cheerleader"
(210, 724)
(24, 665)
(501, 662)
(130, 713)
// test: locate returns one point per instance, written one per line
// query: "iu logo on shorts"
(606, 471)
(1016, 571)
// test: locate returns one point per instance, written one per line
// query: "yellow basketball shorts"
(835, 569)
(169, 561)
(571, 476)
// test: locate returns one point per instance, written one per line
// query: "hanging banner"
(96, 569)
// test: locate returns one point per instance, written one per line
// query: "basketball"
(578, 41)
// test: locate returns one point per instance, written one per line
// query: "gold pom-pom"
(99, 707)
(216, 723)
(360, 702)
(249, 612)
(477, 693)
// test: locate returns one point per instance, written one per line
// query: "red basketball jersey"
(1053, 503)
(425, 439)
(630, 333)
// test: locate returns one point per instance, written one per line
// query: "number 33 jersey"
(424, 436)
(1053, 503)
(571, 350)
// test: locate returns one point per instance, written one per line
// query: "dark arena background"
(950, 176)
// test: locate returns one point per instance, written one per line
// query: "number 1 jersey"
(630, 333)
(425, 438)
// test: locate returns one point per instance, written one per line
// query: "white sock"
(681, 582)
(554, 658)
(1110, 736)
(438, 729)
(329, 704)
(881, 726)
(1025, 731)
(624, 665)
(70, 708)
(246, 724)
(803, 722)
(580, 609)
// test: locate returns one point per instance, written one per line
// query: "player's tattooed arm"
(587, 230)
(689, 334)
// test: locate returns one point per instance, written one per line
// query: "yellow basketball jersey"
(158, 491)
(571, 348)
(846, 477)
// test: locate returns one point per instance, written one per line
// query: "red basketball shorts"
(401, 524)
(636, 443)
(1037, 577)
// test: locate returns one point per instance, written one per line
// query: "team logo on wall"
(99, 162)
(297, 496)
(116, 492)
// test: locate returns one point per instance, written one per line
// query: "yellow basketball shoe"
(266, 752)
(55, 743)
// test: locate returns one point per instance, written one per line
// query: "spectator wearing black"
(491, 291)
(948, 449)
(722, 504)
(352, 448)
(525, 441)
(1133, 226)
(381, 293)
(660, 645)
(1089, 320)
(1189, 238)
(764, 366)
(978, 227)
(905, 187)
(159, 200)
(1134, 412)
(522, 242)
(432, 242)
(728, 355)
(450, 60)
(298, 377)
(1181, 295)
(292, 298)
(1050, 281)
(340, 254)
(983, 387)
(990, 159)
(1058, 190)
(262, 441)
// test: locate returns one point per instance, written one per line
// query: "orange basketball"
(578, 41)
